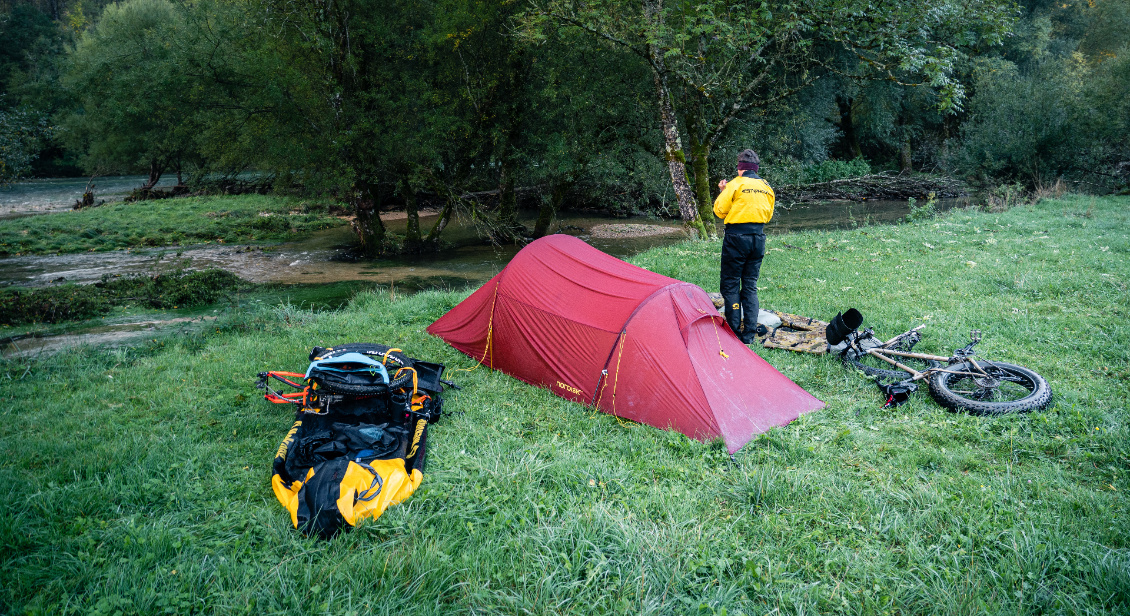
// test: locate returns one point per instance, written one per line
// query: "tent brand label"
(569, 388)
(281, 453)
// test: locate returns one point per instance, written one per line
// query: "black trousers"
(741, 265)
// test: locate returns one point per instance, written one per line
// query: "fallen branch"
(887, 185)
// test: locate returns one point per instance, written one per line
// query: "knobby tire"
(1017, 389)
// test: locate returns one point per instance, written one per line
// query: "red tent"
(633, 343)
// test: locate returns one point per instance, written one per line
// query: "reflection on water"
(847, 214)
(59, 194)
(327, 256)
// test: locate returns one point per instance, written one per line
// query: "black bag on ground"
(359, 436)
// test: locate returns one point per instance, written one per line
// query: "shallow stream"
(326, 257)
(59, 194)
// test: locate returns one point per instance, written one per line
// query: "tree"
(1052, 104)
(722, 59)
(21, 135)
(137, 104)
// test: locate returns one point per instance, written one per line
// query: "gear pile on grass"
(358, 441)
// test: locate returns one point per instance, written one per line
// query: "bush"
(176, 289)
(71, 302)
(829, 170)
(1063, 118)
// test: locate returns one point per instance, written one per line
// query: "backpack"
(359, 437)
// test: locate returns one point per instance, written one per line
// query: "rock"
(768, 319)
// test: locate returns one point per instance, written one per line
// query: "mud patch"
(614, 231)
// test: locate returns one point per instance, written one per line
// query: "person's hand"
(721, 184)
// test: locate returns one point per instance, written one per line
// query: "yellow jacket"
(745, 200)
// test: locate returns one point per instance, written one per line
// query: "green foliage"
(138, 479)
(1027, 128)
(789, 138)
(69, 302)
(1056, 105)
(788, 171)
(922, 212)
(136, 102)
(24, 32)
(384, 105)
(836, 169)
(246, 218)
(21, 136)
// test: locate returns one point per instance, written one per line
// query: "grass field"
(137, 481)
(166, 222)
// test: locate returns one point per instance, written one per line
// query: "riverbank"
(167, 222)
(138, 479)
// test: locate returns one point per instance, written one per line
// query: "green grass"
(71, 302)
(165, 222)
(138, 481)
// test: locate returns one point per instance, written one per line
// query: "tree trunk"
(450, 200)
(508, 200)
(368, 226)
(550, 208)
(411, 208)
(847, 125)
(441, 222)
(673, 147)
(155, 171)
(905, 163)
(700, 163)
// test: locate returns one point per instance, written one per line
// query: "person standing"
(745, 205)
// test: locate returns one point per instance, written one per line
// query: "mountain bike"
(959, 382)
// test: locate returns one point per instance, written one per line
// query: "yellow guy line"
(716, 334)
(490, 336)
(616, 379)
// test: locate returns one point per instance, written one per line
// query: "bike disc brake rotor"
(986, 386)
(999, 385)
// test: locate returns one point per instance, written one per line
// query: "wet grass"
(137, 480)
(117, 309)
(167, 222)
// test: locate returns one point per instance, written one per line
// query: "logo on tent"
(569, 388)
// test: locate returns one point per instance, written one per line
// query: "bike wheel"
(1007, 388)
(873, 366)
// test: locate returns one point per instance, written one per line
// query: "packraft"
(357, 445)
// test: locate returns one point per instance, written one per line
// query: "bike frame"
(881, 352)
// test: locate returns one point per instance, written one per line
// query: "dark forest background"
(625, 107)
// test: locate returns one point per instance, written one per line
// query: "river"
(326, 256)
(321, 263)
